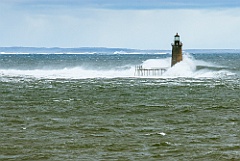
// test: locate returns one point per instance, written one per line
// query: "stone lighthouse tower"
(176, 50)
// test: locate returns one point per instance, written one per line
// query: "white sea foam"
(157, 63)
(162, 133)
(186, 68)
(68, 73)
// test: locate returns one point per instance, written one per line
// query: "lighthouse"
(176, 50)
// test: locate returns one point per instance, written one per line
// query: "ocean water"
(93, 107)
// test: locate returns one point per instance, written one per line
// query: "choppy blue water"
(94, 107)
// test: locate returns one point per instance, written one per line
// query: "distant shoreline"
(103, 50)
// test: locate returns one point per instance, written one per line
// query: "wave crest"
(189, 68)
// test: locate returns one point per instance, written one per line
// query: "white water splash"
(186, 68)
(157, 63)
(68, 73)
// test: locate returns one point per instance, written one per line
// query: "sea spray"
(68, 73)
(185, 68)
(93, 67)
(157, 63)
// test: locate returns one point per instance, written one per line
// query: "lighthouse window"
(177, 38)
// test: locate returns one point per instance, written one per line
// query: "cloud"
(64, 26)
(125, 4)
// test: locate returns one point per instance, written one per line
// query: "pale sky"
(137, 24)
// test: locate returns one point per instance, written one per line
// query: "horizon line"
(102, 47)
